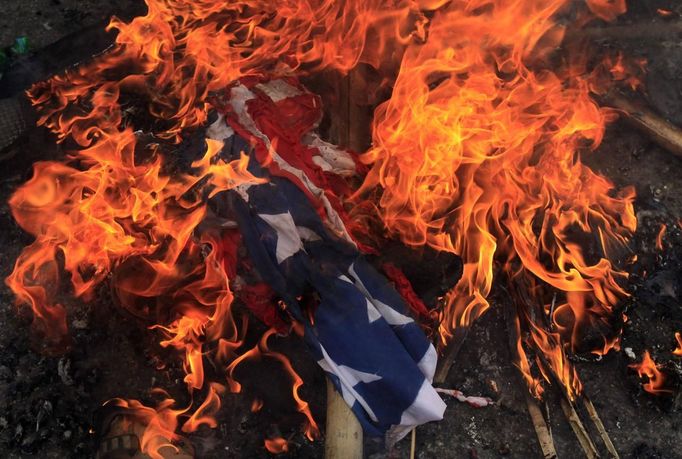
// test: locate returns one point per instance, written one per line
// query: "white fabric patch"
(345, 279)
(349, 379)
(219, 129)
(242, 190)
(322, 164)
(337, 160)
(278, 90)
(392, 316)
(427, 364)
(372, 314)
(307, 234)
(428, 406)
(288, 240)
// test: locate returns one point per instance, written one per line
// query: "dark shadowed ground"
(46, 403)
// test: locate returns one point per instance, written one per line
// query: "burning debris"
(199, 192)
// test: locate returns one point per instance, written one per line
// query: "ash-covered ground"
(47, 402)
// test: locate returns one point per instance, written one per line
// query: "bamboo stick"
(541, 427)
(542, 430)
(594, 416)
(343, 438)
(579, 430)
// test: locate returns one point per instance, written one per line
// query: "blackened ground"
(46, 403)
(46, 21)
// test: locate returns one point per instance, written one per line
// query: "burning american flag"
(476, 153)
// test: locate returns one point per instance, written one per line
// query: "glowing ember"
(655, 380)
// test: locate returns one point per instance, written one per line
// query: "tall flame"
(477, 153)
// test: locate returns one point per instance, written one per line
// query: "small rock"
(79, 324)
(630, 353)
(18, 431)
(5, 373)
(63, 369)
(504, 450)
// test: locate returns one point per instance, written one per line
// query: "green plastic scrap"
(20, 46)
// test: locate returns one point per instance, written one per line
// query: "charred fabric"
(205, 193)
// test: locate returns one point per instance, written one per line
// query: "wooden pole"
(344, 434)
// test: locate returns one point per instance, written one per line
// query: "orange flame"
(655, 383)
(256, 405)
(311, 429)
(277, 445)
(205, 414)
(607, 10)
(660, 236)
(678, 349)
(159, 423)
(477, 154)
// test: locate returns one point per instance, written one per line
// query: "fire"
(310, 428)
(477, 153)
(159, 423)
(607, 10)
(256, 405)
(660, 236)
(655, 383)
(205, 414)
(312, 431)
(277, 445)
(678, 349)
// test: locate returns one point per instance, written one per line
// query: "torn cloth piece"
(360, 333)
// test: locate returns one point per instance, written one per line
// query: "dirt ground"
(47, 403)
